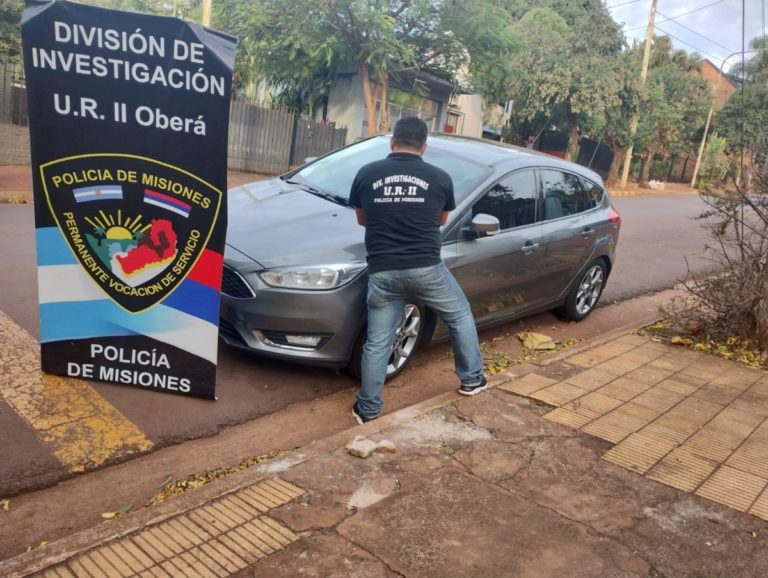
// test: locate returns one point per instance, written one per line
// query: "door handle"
(529, 247)
(587, 233)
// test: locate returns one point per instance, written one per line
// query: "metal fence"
(13, 93)
(261, 140)
(269, 141)
(312, 139)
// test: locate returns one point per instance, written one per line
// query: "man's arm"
(443, 217)
(361, 216)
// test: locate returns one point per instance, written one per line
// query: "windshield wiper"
(322, 194)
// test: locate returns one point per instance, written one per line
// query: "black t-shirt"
(402, 197)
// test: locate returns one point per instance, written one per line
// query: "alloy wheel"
(406, 339)
(589, 289)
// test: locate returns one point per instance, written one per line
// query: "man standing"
(402, 201)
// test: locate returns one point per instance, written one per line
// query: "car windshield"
(334, 173)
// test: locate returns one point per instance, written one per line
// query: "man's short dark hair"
(410, 132)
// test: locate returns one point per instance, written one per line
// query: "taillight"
(614, 218)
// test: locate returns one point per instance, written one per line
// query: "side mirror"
(483, 225)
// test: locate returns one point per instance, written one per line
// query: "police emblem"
(137, 226)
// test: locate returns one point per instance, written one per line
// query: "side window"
(595, 193)
(512, 200)
(563, 194)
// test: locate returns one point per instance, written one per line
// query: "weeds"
(735, 302)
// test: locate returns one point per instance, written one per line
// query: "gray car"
(530, 233)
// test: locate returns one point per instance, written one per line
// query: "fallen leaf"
(754, 534)
(537, 341)
(109, 515)
(6, 505)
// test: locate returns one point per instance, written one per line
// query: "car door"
(499, 273)
(571, 228)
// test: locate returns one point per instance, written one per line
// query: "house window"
(454, 121)
(403, 104)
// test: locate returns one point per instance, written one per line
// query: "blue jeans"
(388, 293)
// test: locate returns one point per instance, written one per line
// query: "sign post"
(128, 118)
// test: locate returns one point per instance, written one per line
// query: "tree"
(570, 61)
(180, 8)
(674, 105)
(10, 27)
(744, 118)
(613, 124)
(299, 45)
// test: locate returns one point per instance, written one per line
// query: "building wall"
(472, 107)
(718, 82)
(346, 105)
(346, 108)
(15, 147)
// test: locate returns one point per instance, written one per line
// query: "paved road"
(658, 234)
(660, 239)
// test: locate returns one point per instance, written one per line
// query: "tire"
(585, 294)
(407, 341)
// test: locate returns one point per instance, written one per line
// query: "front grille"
(232, 284)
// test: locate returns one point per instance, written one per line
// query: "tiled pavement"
(695, 423)
(218, 539)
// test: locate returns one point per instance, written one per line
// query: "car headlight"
(318, 278)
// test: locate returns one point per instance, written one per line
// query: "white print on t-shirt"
(399, 199)
(394, 179)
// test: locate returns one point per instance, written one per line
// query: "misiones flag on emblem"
(129, 202)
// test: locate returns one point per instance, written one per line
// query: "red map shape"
(156, 247)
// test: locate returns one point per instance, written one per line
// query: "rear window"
(563, 194)
(594, 192)
(335, 172)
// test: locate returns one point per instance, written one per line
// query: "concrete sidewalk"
(518, 481)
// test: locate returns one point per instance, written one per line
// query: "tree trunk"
(613, 171)
(368, 96)
(384, 80)
(645, 173)
(572, 153)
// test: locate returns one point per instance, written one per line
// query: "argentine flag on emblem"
(98, 193)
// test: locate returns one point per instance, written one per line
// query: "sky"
(710, 27)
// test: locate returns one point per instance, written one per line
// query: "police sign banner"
(128, 118)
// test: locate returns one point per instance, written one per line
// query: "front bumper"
(261, 322)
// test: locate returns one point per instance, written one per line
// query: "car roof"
(493, 154)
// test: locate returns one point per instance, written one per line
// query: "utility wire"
(696, 48)
(679, 15)
(623, 4)
(696, 33)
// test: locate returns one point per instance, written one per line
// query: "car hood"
(278, 224)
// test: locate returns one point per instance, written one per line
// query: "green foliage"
(714, 163)
(570, 71)
(673, 105)
(288, 42)
(745, 127)
(10, 30)
(487, 42)
(180, 8)
(301, 45)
